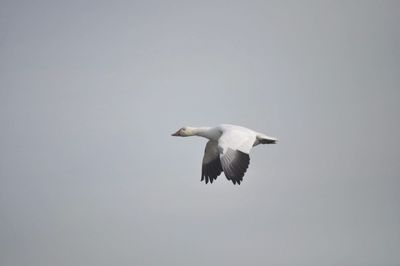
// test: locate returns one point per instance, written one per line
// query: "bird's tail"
(263, 139)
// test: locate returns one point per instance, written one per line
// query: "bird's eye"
(183, 129)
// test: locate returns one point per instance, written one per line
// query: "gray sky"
(90, 92)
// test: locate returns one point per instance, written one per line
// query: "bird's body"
(227, 150)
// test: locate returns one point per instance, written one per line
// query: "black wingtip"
(211, 171)
(236, 164)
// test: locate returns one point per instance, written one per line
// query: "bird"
(227, 149)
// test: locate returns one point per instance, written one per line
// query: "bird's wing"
(211, 167)
(235, 146)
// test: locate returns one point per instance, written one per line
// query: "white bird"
(227, 150)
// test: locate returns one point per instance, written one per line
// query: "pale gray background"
(92, 90)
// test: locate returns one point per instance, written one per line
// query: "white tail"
(263, 139)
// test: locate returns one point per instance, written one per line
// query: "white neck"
(201, 131)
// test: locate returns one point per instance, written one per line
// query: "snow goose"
(227, 150)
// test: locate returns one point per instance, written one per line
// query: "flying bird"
(227, 150)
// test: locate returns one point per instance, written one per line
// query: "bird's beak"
(176, 134)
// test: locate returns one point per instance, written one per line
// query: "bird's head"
(184, 132)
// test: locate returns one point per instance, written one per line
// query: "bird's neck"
(202, 132)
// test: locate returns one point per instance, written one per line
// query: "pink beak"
(176, 134)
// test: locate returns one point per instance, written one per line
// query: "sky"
(90, 92)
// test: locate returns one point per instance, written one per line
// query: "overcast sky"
(90, 92)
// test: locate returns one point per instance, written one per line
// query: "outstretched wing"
(235, 159)
(211, 167)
